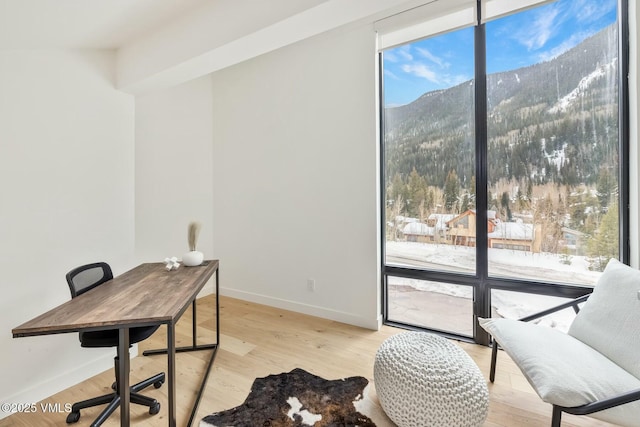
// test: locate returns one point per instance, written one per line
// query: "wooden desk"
(146, 295)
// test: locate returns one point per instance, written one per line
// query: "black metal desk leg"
(123, 373)
(171, 351)
(194, 324)
(171, 368)
(217, 307)
(194, 345)
(214, 347)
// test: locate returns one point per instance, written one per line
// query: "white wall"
(174, 173)
(66, 167)
(295, 177)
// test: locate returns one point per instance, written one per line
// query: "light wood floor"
(256, 341)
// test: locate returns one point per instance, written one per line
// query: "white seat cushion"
(563, 370)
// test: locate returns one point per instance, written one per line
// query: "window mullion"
(623, 131)
(481, 293)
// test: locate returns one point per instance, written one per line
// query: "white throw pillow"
(610, 320)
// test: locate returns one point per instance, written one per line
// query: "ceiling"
(161, 43)
(93, 24)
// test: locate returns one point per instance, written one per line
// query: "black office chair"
(81, 280)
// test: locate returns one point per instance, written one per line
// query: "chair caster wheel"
(73, 417)
(154, 409)
(158, 384)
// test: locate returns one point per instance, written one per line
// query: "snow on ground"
(502, 263)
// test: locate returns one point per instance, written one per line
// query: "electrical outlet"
(311, 285)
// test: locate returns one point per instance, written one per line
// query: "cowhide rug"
(298, 399)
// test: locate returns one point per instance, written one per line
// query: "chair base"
(113, 400)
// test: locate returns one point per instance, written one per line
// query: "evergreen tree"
(521, 200)
(472, 193)
(451, 191)
(504, 204)
(605, 244)
(397, 188)
(605, 187)
(417, 193)
(465, 203)
(577, 211)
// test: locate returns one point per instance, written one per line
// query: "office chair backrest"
(86, 277)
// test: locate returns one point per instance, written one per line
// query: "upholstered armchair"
(594, 369)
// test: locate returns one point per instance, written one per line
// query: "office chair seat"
(81, 280)
(98, 339)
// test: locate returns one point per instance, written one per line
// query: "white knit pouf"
(423, 380)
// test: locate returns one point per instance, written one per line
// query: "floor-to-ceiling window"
(504, 147)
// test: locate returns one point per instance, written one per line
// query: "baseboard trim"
(62, 381)
(67, 379)
(312, 310)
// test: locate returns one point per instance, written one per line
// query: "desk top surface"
(145, 295)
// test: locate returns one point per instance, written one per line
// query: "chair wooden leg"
(556, 418)
(494, 358)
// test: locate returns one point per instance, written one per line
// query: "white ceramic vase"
(193, 258)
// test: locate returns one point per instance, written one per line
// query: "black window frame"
(481, 283)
